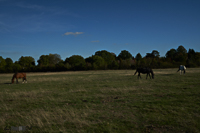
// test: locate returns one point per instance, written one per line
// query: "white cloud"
(95, 41)
(73, 33)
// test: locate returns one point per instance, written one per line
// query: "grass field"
(102, 101)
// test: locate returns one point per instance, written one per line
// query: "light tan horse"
(19, 76)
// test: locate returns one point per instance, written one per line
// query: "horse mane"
(14, 76)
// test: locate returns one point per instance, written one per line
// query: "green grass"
(102, 101)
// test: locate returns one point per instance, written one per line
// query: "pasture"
(102, 101)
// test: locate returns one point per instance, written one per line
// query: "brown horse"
(19, 76)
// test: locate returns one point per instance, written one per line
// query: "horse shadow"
(166, 74)
(7, 83)
(10, 83)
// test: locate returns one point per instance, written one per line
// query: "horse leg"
(149, 76)
(25, 80)
(17, 80)
(139, 75)
(135, 72)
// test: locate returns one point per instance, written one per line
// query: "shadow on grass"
(166, 74)
(7, 83)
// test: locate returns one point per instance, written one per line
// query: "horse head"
(151, 71)
(152, 75)
(12, 80)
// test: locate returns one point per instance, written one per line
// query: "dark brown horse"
(147, 71)
(19, 76)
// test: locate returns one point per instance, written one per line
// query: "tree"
(181, 54)
(138, 57)
(43, 63)
(9, 65)
(77, 62)
(9, 61)
(171, 54)
(197, 58)
(149, 55)
(191, 62)
(181, 49)
(108, 57)
(191, 54)
(2, 64)
(125, 55)
(16, 67)
(155, 53)
(47, 60)
(98, 62)
(27, 62)
(54, 59)
(44, 60)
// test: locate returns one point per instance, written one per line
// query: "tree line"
(102, 60)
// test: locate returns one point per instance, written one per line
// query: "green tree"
(149, 55)
(9, 65)
(108, 57)
(181, 55)
(181, 49)
(49, 60)
(155, 53)
(138, 57)
(98, 62)
(77, 62)
(44, 60)
(125, 55)
(60, 66)
(191, 54)
(16, 67)
(197, 58)
(171, 54)
(54, 59)
(191, 62)
(125, 64)
(2, 64)
(27, 62)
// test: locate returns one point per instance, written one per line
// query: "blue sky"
(82, 27)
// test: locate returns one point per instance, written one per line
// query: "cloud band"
(73, 33)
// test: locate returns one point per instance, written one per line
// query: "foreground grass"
(102, 101)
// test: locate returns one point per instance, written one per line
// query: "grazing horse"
(182, 68)
(19, 76)
(145, 71)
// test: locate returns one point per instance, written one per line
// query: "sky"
(82, 27)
